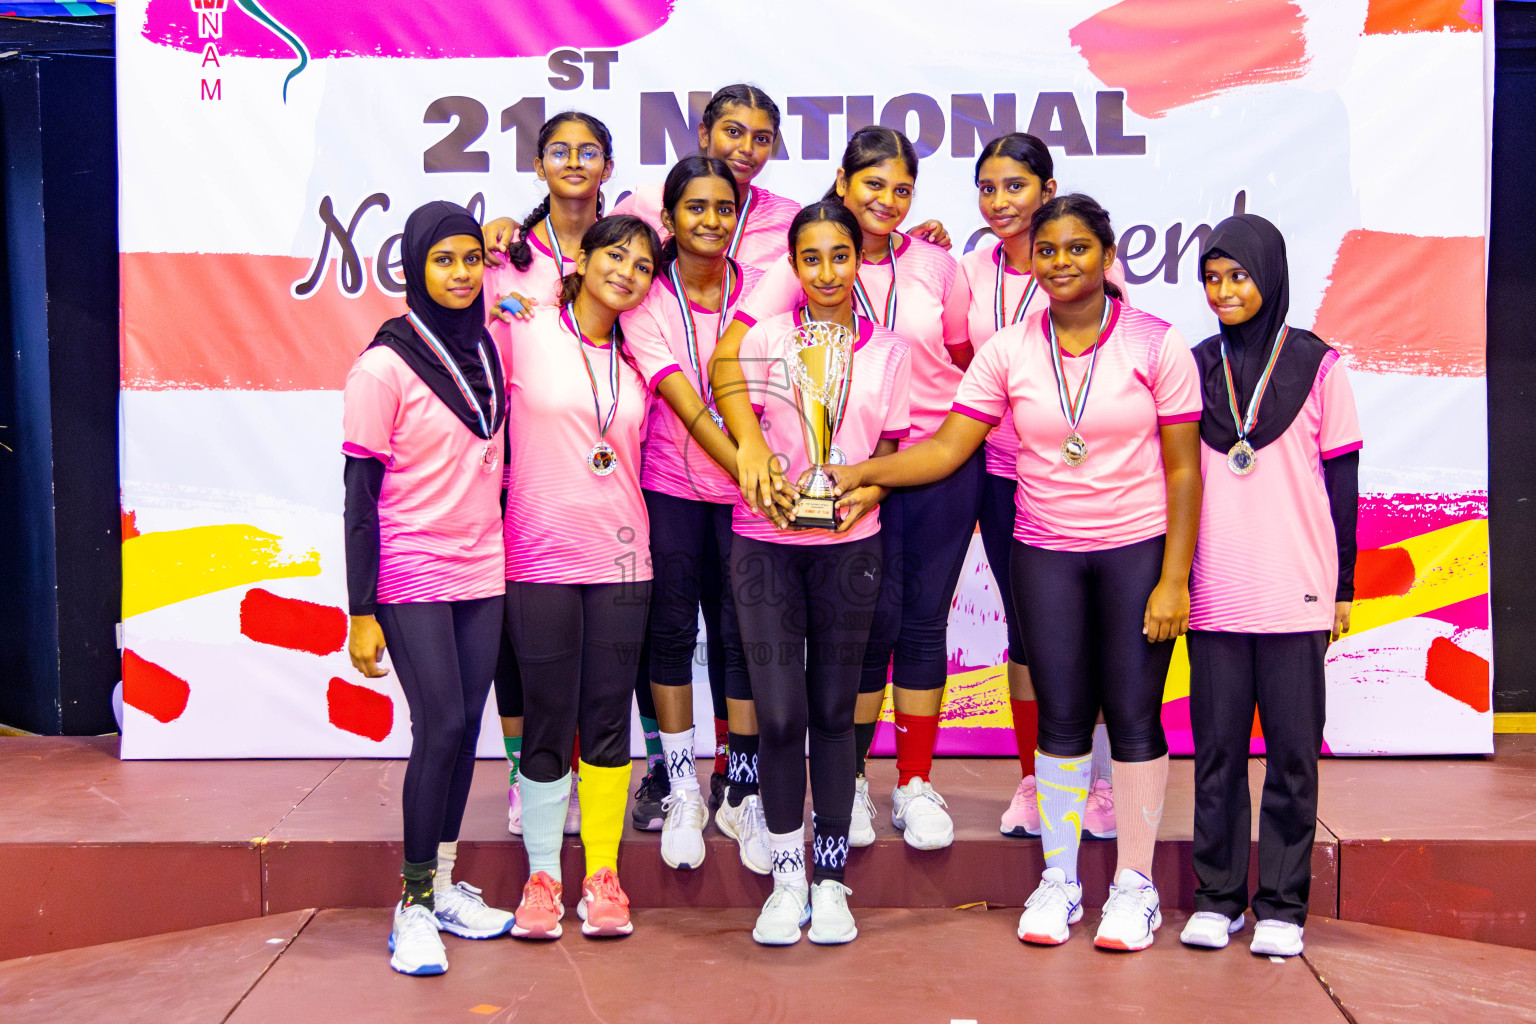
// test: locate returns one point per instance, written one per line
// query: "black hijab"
(1259, 248)
(460, 330)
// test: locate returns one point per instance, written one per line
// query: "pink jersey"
(540, 282)
(438, 509)
(564, 523)
(1267, 560)
(930, 315)
(978, 270)
(1145, 378)
(765, 239)
(655, 332)
(876, 409)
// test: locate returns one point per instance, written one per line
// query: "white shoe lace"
(413, 927)
(1127, 903)
(684, 809)
(753, 819)
(784, 899)
(927, 793)
(861, 800)
(1051, 895)
(459, 897)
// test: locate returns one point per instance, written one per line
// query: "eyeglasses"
(560, 153)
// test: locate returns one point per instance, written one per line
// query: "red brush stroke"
(130, 526)
(153, 690)
(229, 321)
(1170, 53)
(1383, 572)
(1459, 674)
(288, 622)
(1441, 338)
(1388, 519)
(421, 28)
(360, 710)
(1388, 17)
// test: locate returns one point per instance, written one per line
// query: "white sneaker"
(1276, 938)
(862, 831)
(1209, 929)
(573, 810)
(1054, 905)
(1131, 914)
(918, 810)
(746, 824)
(831, 921)
(515, 809)
(415, 946)
(682, 833)
(787, 911)
(460, 910)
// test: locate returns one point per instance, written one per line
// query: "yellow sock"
(603, 793)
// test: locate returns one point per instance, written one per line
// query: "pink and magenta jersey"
(930, 315)
(564, 523)
(1145, 378)
(1267, 560)
(764, 241)
(540, 282)
(654, 333)
(978, 270)
(439, 531)
(876, 409)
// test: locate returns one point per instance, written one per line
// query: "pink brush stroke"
(419, 29)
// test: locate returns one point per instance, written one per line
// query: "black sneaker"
(717, 787)
(647, 815)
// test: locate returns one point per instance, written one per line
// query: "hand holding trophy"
(819, 355)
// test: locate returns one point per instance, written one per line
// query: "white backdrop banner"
(271, 150)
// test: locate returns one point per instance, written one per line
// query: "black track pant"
(999, 509)
(1086, 649)
(805, 611)
(925, 532)
(1280, 674)
(578, 645)
(444, 653)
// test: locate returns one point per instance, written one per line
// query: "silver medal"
(602, 459)
(1074, 450)
(1242, 459)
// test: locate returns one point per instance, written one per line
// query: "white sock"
(1102, 767)
(447, 853)
(788, 852)
(677, 753)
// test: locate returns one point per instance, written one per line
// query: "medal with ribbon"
(691, 330)
(602, 459)
(998, 306)
(865, 306)
(1242, 459)
(554, 250)
(1074, 450)
(489, 456)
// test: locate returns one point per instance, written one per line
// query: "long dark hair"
(608, 231)
(871, 145)
(521, 254)
(1086, 209)
(739, 95)
(829, 210)
(1021, 147)
(686, 170)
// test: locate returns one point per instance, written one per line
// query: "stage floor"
(907, 965)
(112, 850)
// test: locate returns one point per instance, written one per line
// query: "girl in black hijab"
(424, 409)
(1272, 583)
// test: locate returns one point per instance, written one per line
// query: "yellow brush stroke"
(168, 566)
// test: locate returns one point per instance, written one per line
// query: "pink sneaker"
(604, 909)
(538, 915)
(514, 810)
(1022, 818)
(1099, 817)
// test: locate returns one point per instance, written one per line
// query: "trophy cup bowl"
(818, 356)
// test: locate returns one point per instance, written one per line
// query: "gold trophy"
(820, 357)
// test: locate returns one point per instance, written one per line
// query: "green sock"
(652, 730)
(418, 883)
(514, 745)
(863, 736)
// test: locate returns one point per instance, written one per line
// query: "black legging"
(1086, 649)
(926, 532)
(999, 510)
(509, 683)
(444, 653)
(578, 645)
(805, 611)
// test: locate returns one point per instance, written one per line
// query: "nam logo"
(210, 25)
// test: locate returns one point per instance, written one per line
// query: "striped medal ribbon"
(554, 249)
(489, 457)
(741, 223)
(602, 459)
(1074, 450)
(865, 306)
(691, 330)
(997, 305)
(1242, 459)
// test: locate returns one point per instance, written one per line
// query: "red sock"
(1026, 732)
(915, 737)
(722, 744)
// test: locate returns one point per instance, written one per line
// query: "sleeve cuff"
(1179, 417)
(1333, 453)
(362, 609)
(745, 319)
(357, 451)
(758, 408)
(1344, 594)
(895, 435)
(977, 414)
(663, 373)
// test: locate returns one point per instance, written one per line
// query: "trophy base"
(815, 514)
